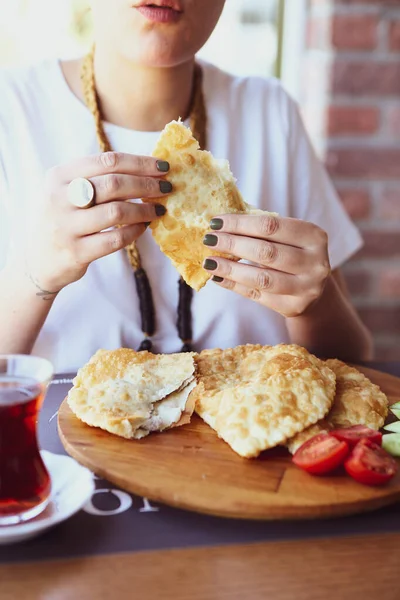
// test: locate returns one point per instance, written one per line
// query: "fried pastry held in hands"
(203, 187)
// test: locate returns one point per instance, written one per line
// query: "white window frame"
(293, 31)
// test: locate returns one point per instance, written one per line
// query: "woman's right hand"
(63, 240)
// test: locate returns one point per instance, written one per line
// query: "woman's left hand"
(291, 256)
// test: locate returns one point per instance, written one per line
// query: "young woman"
(66, 285)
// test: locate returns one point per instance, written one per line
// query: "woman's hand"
(63, 240)
(291, 256)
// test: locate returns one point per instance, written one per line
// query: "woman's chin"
(161, 55)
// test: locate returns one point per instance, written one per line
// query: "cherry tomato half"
(352, 435)
(321, 454)
(369, 464)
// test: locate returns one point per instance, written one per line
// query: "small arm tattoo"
(41, 293)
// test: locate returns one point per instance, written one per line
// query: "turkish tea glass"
(24, 480)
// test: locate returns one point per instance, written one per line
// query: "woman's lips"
(159, 14)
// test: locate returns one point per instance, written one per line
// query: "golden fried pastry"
(322, 426)
(203, 188)
(132, 393)
(358, 401)
(215, 367)
(258, 397)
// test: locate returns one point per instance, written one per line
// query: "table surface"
(341, 569)
(342, 566)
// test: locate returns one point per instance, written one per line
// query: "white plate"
(72, 486)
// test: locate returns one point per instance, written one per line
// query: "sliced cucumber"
(395, 411)
(391, 443)
(396, 405)
(395, 427)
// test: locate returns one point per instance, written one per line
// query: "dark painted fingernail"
(163, 166)
(165, 187)
(216, 224)
(217, 279)
(210, 240)
(160, 210)
(148, 224)
(210, 264)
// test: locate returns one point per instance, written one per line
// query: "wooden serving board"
(191, 468)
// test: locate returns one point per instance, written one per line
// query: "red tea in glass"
(24, 480)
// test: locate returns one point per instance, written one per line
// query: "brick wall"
(351, 103)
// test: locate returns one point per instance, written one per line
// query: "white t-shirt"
(251, 121)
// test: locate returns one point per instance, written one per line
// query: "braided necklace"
(198, 125)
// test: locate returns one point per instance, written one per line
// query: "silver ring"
(81, 193)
